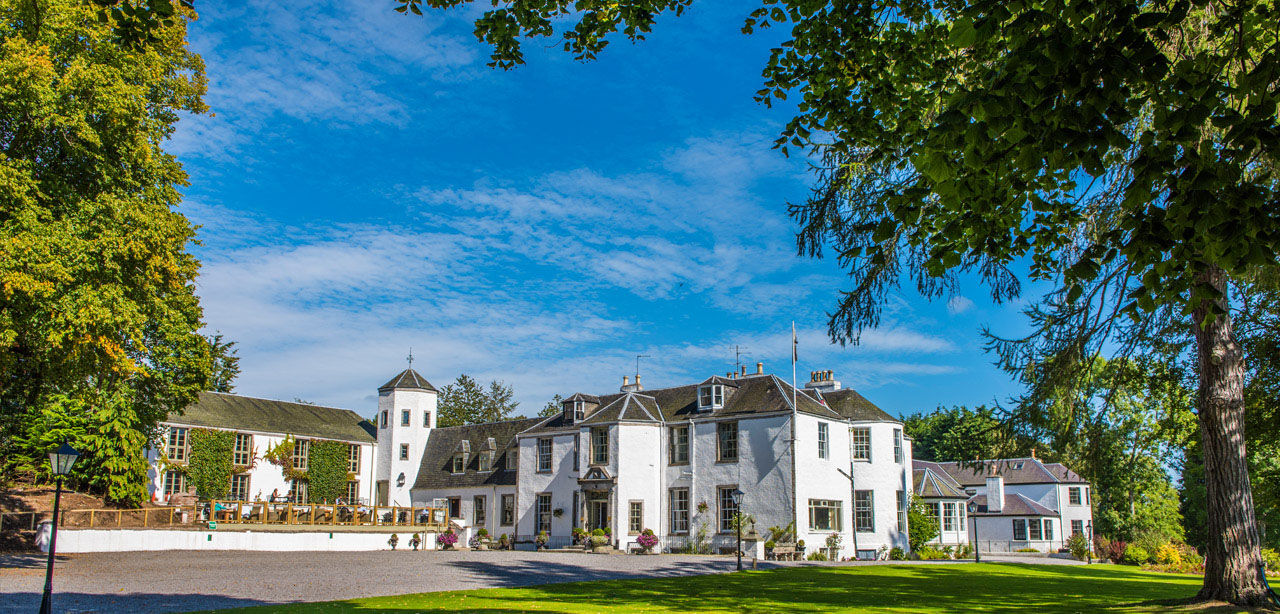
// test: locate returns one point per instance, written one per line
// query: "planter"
(482, 546)
(601, 549)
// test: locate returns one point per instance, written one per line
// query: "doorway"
(597, 510)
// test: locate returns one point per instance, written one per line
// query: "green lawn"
(878, 588)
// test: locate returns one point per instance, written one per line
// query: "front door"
(597, 511)
(380, 497)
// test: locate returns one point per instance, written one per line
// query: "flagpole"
(794, 349)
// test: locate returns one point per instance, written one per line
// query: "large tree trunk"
(1232, 562)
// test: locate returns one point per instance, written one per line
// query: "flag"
(794, 343)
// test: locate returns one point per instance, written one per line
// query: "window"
(635, 517)
(176, 448)
(711, 396)
(1019, 529)
(678, 445)
(1073, 496)
(1048, 529)
(426, 419)
(599, 445)
(243, 454)
(577, 451)
(679, 510)
(508, 517)
(544, 455)
(298, 492)
(353, 458)
(824, 441)
(459, 463)
(481, 511)
(728, 509)
(404, 451)
(1036, 529)
(484, 463)
(949, 517)
(513, 459)
(902, 511)
(239, 488)
(825, 515)
(174, 483)
(543, 517)
(383, 423)
(1077, 527)
(861, 443)
(353, 492)
(962, 508)
(455, 507)
(897, 446)
(301, 450)
(727, 442)
(864, 516)
(579, 410)
(404, 417)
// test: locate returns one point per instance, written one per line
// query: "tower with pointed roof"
(406, 415)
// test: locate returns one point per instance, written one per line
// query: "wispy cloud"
(958, 305)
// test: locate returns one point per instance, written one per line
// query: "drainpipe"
(853, 509)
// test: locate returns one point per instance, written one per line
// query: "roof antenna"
(737, 358)
(638, 357)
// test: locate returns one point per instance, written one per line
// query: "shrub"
(929, 553)
(1116, 551)
(1136, 555)
(817, 556)
(964, 551)
(541, 539)
(1271, 558)
(896, 554)
(599, 537)
(800, 544)
(1078, 544)
(1101, 546)
(326, 471)
(769, 545)
(1167, 554)
(504, 541)
(1190, 555)
(924, 526)
(209, 464)
(1027, 550)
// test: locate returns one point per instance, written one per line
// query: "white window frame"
(824, 440)
(678, 445)
(635, 517)
(727, 430)
(1035, 530)
(726, 507)
(897, 446)
(1075, 495)
(902, 511)
(480, 511)
(177, 448)
(867, 508)
(544, 456)
(950, 517)
(834, 515)
(860, 443)
(599, 445)
(507, 517)
(679, 503)
(711, 396)
(542, 514)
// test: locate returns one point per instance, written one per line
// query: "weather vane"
(410, 357)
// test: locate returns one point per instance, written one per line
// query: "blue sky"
(365, 184)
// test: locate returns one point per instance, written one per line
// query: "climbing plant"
(327, 473)
(210, 465)
(281, 455)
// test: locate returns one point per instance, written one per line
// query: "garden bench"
(784, 553)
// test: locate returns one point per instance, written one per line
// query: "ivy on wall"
(281, 455)
(209, 465)
(327, 473)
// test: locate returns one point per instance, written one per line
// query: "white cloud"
(958, 305)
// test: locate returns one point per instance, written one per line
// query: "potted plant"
(415, 541)
(647, 540)
(599, 541)
(482, 539)
(800, 547)
(395, 539)
(580, 536)
(768, 549)
(504, 542)
(540, 540)
(447, 539)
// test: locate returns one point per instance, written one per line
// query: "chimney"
(629, 387)
(759, 368)
(995, 493)
(638, 386)
(744, 371)
(822, 381)
(1033, 454)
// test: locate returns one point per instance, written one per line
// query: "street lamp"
(737, 512)
(1090, 549)
(60, 461)
(973, 509)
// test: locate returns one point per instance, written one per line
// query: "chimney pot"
(624, 380)
(1033, 453)
(759, 368)
(744, 370)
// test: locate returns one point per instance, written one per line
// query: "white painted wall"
(637, 458)
(995, 534)
(492, 500)
(129, 540)
(882, 475)
(560, 482)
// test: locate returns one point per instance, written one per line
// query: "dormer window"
(459, 461)
(711, 396)
(579, 410)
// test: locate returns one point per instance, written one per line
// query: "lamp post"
(737, 513)
(60, 461)
(973, 509)
(1089, 528)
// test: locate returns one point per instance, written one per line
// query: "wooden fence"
(234, 512)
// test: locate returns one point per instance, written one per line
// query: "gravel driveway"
(184, 581)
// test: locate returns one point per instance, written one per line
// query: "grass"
(879, 588)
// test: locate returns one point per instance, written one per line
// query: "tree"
(99, 318)
(1127, 159)
(922, 523)
(553, 407)
(226, 365)
(465, 401)
(958, 434)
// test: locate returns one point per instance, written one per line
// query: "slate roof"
(407, 380)
(930, 481)
(1014, 471)
(235, 412)
(1014, 505)
(436, 470)
(854, 406)
(752, 394)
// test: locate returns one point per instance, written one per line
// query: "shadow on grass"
(27, 602)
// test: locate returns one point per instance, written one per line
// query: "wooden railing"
(322, 514)
(235, 512)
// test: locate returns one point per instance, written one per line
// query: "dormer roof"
(407, 380)
(717, 379)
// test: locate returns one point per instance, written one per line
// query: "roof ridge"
(511, 420)
(295, 403)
